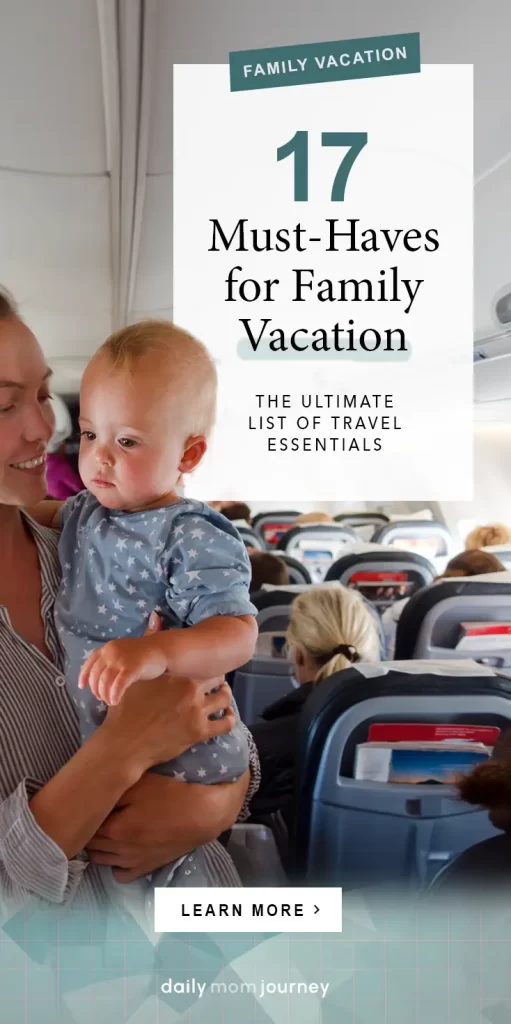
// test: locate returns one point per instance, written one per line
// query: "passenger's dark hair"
(236, 510)
(489, 784)
(472, 563)
(267, 568)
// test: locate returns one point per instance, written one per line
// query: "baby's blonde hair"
(323, 618)
(488, 536)
(193, 368)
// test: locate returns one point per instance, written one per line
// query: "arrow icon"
(316, 909)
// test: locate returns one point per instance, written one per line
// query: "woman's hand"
(160, 819)
(155, 722)
(160, 718)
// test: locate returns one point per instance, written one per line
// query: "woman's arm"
(39, 835)
(116, 756)
(72, 805)
(161, 819)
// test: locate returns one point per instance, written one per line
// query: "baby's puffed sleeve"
(208, 569)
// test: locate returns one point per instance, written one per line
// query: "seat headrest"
(420, 667)
(415, 610)
(377, 556)
(488, 577)
(297, 588)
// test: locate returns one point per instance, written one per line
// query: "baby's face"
(133, 435)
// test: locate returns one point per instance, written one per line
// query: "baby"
(129, 546)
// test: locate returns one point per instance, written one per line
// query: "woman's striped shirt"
(38, 735)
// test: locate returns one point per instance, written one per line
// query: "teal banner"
(396, 961)
(375, 57)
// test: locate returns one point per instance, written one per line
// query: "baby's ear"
(194, 451)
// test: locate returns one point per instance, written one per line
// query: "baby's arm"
(47, 513)
(209, 649)
(207, 589)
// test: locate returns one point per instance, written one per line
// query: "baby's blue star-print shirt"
(184, 561)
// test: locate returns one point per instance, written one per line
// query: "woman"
(56, 798)
(329, 630)
(468, 563)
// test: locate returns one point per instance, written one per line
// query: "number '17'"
(299, 147)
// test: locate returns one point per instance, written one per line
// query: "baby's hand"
(111, 669)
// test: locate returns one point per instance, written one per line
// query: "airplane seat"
(382, 575)
(317, 545)
(298, 574)
(274, 606)
(267, 677)
(255, 854)
(466, 617)
(502, 552)
(272, 525)
(250, 538)
(426, 537)
(355, 833)
(363, 523)
(484, 868)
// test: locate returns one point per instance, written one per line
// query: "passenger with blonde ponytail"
(330, 629)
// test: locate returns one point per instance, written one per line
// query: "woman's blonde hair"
(488, 536)
(313, 517)
(326, 618)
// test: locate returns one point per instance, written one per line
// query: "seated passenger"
(486, 866)
(232, 510)
(329, 630)
(267, 568)
(488, 536)
(468, 563)
(309, 518)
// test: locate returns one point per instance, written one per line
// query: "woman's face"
(26, 415)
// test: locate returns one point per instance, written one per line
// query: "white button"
(60, 681)
(248, 910)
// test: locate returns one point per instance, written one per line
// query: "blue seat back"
(355, 833)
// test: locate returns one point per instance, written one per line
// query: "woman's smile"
(37, 463)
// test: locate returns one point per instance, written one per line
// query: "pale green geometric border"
(392, 964)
